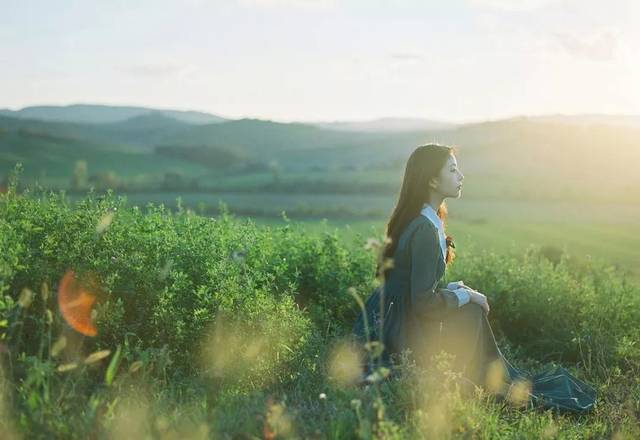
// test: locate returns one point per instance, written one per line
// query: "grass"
(221, 329)
(616, 245)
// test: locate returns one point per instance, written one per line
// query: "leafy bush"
(214, 324)
(571, 311)
(163, 277)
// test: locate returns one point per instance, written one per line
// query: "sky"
(326, 60)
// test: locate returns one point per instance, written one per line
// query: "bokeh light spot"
(104, 223)
(496, 374)
(76, 300)
(345, 364)
(519, 392)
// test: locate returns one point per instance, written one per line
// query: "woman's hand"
(475, 296)
(479, 299)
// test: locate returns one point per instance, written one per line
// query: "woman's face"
(449, 182)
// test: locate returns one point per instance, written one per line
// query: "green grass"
(608, 232)
(616, 244)
(279, 296)
(50, 160)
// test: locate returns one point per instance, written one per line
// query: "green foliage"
(571, 311)
(164, 277)
(216, 327)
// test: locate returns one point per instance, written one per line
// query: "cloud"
(601, 46)
(512, 5)
(302, 4)
(160, 69)
(405, 56)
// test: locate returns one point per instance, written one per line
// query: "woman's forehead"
(452, 160)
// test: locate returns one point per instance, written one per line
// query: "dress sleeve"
(426, 298)
(463, 296)
(461, 292)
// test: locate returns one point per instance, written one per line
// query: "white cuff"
(463, 296)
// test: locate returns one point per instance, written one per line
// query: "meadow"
(212, 295)
(607, 232)
(583, 229)
(140, 322)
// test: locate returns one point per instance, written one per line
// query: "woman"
(412, 309)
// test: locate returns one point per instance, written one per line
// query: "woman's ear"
(433, 183)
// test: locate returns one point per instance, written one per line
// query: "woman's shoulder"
(425, 242)
(420, 228)
(422, 225)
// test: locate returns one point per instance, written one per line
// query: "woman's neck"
(435, 201)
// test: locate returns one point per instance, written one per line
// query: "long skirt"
(467, 334)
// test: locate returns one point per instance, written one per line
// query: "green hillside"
(99, 114)
(215, 328)
(51, 159)
(522, 158)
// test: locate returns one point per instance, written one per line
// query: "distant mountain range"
(103, 114)
(107, 114)
(387, 125)
(586, 119)
(558, 155)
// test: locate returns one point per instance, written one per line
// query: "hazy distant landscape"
(146, 150)
(534, 178)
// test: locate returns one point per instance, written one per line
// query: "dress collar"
(430, 213)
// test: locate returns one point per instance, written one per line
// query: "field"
(606, 231)
(214, 300)
(224, 328)
(612, 244)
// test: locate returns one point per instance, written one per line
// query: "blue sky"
(325, 60)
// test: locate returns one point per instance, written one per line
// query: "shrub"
(569, 311)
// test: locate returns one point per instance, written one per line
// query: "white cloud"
(405, 56)
(158, 69)
(512, 5)
(600, 46)
(302, 4)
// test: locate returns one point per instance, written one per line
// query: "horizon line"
(334, 121)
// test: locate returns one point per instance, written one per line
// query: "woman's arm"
(425, 297)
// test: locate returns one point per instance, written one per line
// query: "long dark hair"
(425, 163)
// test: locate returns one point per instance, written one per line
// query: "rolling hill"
(519, 157)
(98, 114)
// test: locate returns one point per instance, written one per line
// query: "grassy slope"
(519, 158)
(55, 157)
(616, 244)
(149, 400)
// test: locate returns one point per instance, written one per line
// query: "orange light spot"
(76, 304)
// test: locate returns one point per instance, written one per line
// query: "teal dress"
(412, 310)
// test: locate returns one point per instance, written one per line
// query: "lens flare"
(519, 392)
(131, 417)
(58, 346)
(277, 423)
(26, 298)
(76, 300)
(496, 377)
(345, 364)
(96, 356)
(104, 223)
